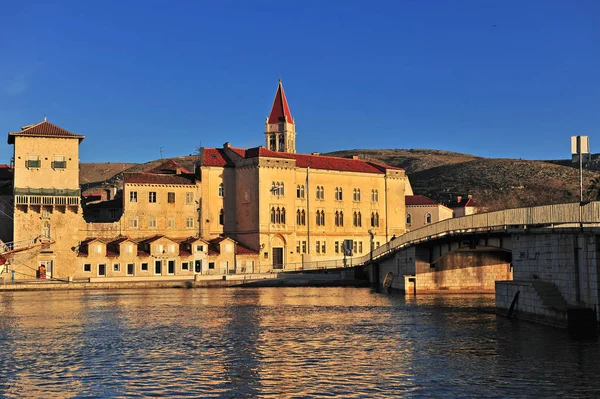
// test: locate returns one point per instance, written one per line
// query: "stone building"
(233, 211)
(422, 211)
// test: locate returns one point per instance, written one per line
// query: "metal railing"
(551, 216)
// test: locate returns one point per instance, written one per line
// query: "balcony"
(47, 196)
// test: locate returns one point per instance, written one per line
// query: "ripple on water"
(281, 343)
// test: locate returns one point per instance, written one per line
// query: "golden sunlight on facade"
(234, 210)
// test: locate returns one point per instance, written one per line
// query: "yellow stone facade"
(239, 211)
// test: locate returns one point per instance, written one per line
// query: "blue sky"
(508, 79)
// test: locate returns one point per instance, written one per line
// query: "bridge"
(543, 263)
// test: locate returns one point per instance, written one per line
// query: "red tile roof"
(419, 200)
(242, 250)
(280, 111)
(216, 157)
(6, 172)
(152, 178)
(318, 161)
(43, 129)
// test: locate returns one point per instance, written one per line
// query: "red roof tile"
(6, 172)
(242, 250)
(419, 200)
(216, 157)
(43, 129)
(318, 161)
(280, 111)
(152, 178)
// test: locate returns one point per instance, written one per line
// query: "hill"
(441, 175)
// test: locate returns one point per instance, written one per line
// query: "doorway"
(198, 267)
(171, 267)
(158, 267)
(277, 258)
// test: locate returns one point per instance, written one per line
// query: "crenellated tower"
(280, 130)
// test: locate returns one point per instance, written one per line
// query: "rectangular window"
(59, 162)
(152, 222)
(189, 198)
(298, 247)
(87, 268)
(171, 248)
(318, 247)
(200, 248)
(97, 249)
(211, 265)
(337, 247)
(144, 267)
(360, 247)
(184, 266)
(133, 222)
(266, 255)
(33, 161)
(158, 267)
(133, 196)
(101, 269)
(128, 249)
(189, 223)
(130, 269)
(323, 249)
(171, 267)
(152, 196)
(171, 222)
(303, 247)
(117, 267)
(171, 198)
(159, 248)
(355, 247)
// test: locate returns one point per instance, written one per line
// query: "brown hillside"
(99, 172)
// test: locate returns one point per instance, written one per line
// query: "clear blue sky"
(493, 78)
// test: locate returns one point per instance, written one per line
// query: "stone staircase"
(550, 295)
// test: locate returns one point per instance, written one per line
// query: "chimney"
(227, 145)
(314, 153)
(458, 199)
(178, 171)
(469, 196)
(355, 157)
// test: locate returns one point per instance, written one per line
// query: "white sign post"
(580, 149)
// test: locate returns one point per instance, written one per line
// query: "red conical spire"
(280, 112)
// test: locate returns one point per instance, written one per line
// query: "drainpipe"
(307, 211)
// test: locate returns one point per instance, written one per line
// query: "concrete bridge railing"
(553, 216)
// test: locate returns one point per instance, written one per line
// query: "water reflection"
(281, 343)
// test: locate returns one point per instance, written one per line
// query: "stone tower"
(280, 132)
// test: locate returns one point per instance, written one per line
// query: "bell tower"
(280, 132)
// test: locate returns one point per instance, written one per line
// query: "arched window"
(408, 219)
(221, 190)
(281, 143)
(221, 217)
(277, 215)
(355, 219)
(298, 217)
(338, 194)
(322, 218)
(427, 218)
(281, 191)
(283, 215)
(359, 219)
(376, 196)
(372, 219)
(303, 215)
(341, 218)
(273, 215)
(318, 218)
(337, 218)
(299, 191)
(372, 195)
(273, 142)
(46, 229)
(376, 219)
